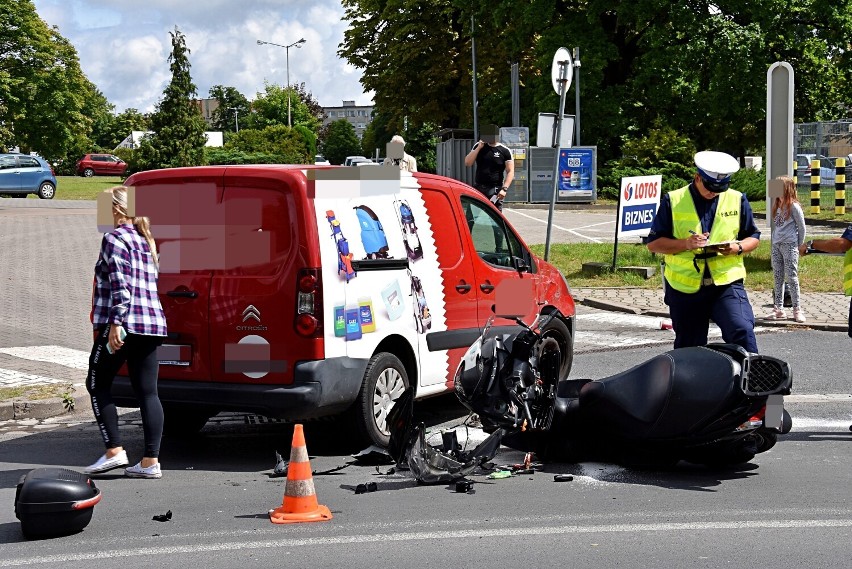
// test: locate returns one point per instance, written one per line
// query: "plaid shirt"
(125, 290)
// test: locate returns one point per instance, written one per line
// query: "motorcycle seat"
(664, 397)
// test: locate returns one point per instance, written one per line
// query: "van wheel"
(183, 420)
(385, 380)
(558, 330)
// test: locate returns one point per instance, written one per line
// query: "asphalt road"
(790, 507)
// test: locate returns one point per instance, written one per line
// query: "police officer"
(493, 160)
(842, 244)
(703, 230)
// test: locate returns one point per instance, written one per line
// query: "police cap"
(715, 169)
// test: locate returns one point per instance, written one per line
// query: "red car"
(301, 291)
(101, 165)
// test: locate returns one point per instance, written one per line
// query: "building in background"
(206, 107)
(359, 115)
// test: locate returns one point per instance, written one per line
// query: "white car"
(321, 160)
(352, 160)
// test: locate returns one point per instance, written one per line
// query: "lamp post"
(236, 117)
(297, 44)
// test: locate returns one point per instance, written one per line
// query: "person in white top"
(398, 157)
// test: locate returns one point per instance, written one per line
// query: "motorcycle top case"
(55, 501)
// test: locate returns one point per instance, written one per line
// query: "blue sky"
(123, 46)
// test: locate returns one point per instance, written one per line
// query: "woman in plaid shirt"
(125, 301)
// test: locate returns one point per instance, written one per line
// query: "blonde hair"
(143, 224)
(787, 199)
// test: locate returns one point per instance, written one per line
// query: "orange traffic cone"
(300, 499)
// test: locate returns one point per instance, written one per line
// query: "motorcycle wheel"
(765, 440)
(557, 330)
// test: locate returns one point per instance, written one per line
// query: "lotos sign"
(637, 204)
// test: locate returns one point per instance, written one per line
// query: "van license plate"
(174, 354)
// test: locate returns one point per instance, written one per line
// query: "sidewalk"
(824, 310)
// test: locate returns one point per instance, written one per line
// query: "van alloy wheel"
(385, 380)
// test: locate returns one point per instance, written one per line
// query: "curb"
(18, 409)
(625, 308)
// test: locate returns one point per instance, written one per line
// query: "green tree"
(230, 101)
(43, 91)
(178, 130)
(340, 142)
(701, 69)
(270, 107)
(121, 126)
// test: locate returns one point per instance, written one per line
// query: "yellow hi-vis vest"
(847, 273)
(680, 270)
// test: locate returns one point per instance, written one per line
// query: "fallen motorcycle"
(716, 405)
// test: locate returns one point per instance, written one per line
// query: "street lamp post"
(297, 44)
(236, 117)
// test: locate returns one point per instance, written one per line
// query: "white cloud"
(123, 47)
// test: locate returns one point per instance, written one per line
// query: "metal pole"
(577, 93)
(288, 86)
(516, 95)
(475, 105)
(563, 71)
(237, 120)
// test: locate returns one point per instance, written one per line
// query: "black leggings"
(140, 354)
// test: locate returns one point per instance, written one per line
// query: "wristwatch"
(740, 245)
(504, 188)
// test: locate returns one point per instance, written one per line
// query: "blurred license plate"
(774, 412)
(174, 354)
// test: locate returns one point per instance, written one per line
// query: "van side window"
(495, 243)
(438, 207)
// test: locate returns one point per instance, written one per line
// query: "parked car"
(326, 300)
(320, 160)
(101, 165)
(352, 160)
(22, 174)
(827, 169)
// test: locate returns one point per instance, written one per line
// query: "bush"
(675, 175)
(229, 157)
(750, 182)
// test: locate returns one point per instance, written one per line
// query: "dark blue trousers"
(726, 305)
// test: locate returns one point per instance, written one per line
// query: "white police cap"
(716, 169)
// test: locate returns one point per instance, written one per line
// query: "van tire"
(385, 380)
(558, 330)
(183, 420)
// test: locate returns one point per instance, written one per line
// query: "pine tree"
(178, 129)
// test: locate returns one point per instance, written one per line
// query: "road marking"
(593, 239)
(12, 378)
(818, 398)
(455, 535)
(75, 359)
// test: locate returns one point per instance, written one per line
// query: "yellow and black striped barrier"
(815, 186)
(840, 187)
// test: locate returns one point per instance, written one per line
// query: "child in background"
(787, 235)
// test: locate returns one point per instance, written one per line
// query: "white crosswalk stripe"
(12, 378)
(76, 359)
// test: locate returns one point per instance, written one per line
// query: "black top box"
(55, 501)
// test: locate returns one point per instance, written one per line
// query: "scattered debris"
(280, 466)
(373, 455)
(562, 478)
(500, 474)
(464, 486)
(163, 517)
(368, 487)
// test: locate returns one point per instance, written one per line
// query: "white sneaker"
(776, 314)
(103, 464)
(799, 315)
(137, 471)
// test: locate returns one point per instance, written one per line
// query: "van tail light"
(308, 322)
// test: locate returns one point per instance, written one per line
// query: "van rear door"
(179, 208)
(268, 242)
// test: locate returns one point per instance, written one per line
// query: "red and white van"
(300, 291)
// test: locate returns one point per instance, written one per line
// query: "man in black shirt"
(493, 160)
